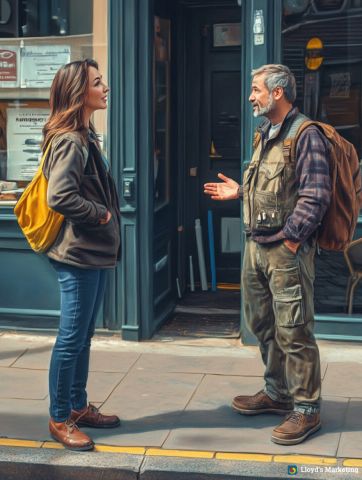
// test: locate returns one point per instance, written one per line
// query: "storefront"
(179, 73)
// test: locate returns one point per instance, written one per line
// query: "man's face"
(262, 100)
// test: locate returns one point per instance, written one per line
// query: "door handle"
(213, 151)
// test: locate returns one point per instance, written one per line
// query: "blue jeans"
(81, 294)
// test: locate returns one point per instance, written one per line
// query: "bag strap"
(44, 156)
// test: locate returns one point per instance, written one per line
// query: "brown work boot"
(260, 403)
(296, 427)
(68, 434)
(90, 416)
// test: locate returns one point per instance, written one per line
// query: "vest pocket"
(270, 177)
(268, 211)
(271, 170)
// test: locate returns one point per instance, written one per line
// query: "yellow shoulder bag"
(39, 223)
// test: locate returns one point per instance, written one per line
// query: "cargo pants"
(277, 288)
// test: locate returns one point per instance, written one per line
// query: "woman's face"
(96, 97)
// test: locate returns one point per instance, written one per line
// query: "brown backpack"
(340, 220)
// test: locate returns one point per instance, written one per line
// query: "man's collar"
(264, 126)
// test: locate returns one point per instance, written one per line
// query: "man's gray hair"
(278, 76)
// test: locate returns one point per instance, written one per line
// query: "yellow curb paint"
(305, 459)
(112, 449)
(11, 442)
(352, 462)
(178, 453)
(248, 457)
(55, 445)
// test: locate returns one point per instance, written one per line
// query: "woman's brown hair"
(67, 97)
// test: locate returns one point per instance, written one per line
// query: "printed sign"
(9, 67)
(24, 135)
(340, 85)
(40, 63)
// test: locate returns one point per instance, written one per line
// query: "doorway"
(209, 141)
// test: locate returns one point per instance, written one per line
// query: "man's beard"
(265, 110)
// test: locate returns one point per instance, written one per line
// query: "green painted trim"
(133, 328)
(334, 318)
(29, 312)
(339, 338)
(7, 217)
(145, 146)
(131, 53)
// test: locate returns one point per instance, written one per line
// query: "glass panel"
(36, 38)
(226, 35)
(161, 109)
(324, 50)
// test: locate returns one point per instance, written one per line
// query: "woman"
(81, 188)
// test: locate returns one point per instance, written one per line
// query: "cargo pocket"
(287, 297)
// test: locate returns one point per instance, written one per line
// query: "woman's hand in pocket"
(106, 219)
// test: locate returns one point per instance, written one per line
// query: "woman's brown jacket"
(81, 188)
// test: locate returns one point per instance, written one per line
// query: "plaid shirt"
(314, 187)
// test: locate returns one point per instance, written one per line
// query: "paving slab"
(208, 423)
(38, 357)
(343, 379)
(35, 357)
(10, 351)
(101, 385)
(324, 366)
(351, 439)
(191, 364)
(24, 419)
(112, 360)
(148, 404)
(23, 383)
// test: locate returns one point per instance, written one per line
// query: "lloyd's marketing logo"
(292, 470)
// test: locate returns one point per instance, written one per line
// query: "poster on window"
(9, 66)
(24, 136)
(40, 63)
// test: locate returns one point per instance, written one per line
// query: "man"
(283, 202)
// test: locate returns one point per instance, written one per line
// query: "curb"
(28, 459)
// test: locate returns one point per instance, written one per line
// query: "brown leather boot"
(295, 428)
(90, 416)
(68, 434)
(260, 403)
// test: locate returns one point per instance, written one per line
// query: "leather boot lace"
(91, 408)
(295, 417)
(71, 426)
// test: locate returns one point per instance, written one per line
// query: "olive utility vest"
(269, 184)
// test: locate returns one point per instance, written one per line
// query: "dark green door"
(214, 112)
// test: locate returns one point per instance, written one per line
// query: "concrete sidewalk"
(174, 401)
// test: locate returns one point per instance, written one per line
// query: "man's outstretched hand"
(228, 189)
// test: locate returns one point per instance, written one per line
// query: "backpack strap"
(300, 130)
(290, 143)
(256, 140)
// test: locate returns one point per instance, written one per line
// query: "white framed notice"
(24, 136)
(40, 63)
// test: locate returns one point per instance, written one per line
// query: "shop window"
(36, 38)
(324, 50)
